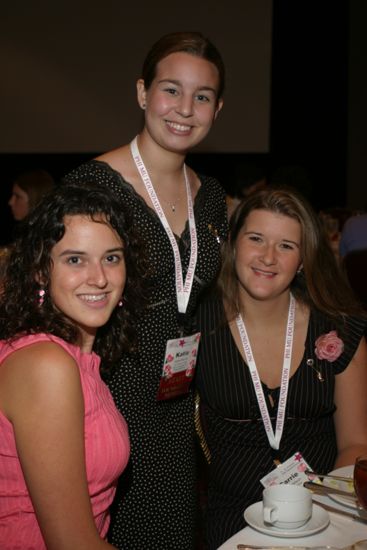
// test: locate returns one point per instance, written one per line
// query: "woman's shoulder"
(25, 340)
(36, 347)
(93, 171)
(344, 334)
(106, 168)
(348, 325)
(211, 185)
(100, 172)
(34, 358)
(210, 206)
(35, 365)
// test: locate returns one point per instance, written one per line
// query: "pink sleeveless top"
(107, 451)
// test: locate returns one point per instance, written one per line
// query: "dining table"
(341, 532)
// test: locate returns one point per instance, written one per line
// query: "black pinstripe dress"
(241, 454)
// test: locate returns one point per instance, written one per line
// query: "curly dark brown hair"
(30, 261)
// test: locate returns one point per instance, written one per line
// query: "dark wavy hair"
(321, 283)
(30, 261)
(190, 42)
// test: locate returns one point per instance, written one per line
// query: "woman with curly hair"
(71, 284)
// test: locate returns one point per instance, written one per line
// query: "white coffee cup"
(287, 506)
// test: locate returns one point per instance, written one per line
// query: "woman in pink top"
(70, 286)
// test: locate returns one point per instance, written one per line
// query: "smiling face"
(267, 255)
(87, 275)
(181, 102)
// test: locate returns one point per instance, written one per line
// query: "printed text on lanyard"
(274, 439)
(183, 290)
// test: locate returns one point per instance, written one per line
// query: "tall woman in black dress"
(279, 278)
(180, 93)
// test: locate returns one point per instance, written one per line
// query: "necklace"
(171, 205)
(183, 287)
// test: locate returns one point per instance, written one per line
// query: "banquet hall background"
(296, 84)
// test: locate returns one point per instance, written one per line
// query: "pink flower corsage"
(329, 346)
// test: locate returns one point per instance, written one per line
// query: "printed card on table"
(291, 471)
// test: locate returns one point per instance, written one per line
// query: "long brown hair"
(321, 283)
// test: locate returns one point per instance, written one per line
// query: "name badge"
(179, 366)
(292, 471)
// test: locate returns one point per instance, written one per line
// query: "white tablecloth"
(340, 532)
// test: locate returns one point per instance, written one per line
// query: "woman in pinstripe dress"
(280, 295)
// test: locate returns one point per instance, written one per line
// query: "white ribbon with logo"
(274, 439)
(183, 289)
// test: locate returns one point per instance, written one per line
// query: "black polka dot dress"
(156, 504)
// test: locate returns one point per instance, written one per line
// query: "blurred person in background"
(27, 191)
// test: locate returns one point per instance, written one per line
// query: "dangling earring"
(120, 303)
(41, 296)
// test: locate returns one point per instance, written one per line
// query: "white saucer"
(345, 471)
(319, 520)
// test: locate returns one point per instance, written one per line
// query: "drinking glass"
(360, 480)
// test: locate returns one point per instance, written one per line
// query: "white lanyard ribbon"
(274, 440)
(183, 290)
